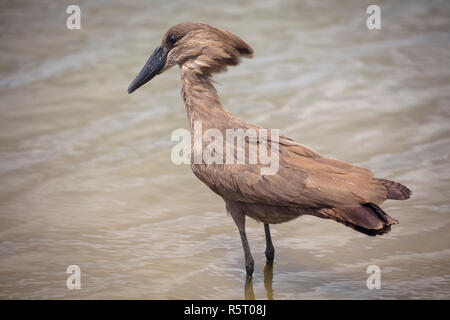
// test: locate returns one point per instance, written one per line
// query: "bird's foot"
(249, 267)
(270, 255)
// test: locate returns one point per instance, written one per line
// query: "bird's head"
(199, 47)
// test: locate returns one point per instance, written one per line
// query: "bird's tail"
(367, 218)
(395, 190)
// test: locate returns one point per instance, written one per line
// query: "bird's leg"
(270, 250)
(239, 218)
(249, 264)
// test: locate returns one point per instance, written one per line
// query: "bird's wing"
(304, 178)
(330, 181)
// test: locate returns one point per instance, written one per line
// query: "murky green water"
(85, 170)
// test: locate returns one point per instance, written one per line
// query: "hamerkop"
(305, 183)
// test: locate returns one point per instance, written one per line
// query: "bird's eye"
(171, 39)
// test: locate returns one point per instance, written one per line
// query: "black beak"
(154, 65)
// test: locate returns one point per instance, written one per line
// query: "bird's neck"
(200, 97)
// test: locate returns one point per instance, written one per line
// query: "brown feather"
(395, 190)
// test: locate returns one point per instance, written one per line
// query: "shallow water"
(86, 176)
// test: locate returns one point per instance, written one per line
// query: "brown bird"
(305, 182)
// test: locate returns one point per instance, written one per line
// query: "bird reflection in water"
(268, 279)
